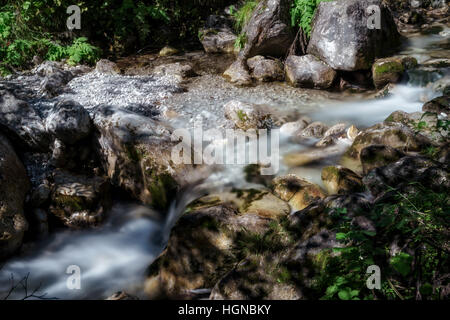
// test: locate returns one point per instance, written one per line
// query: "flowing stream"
(115, 256)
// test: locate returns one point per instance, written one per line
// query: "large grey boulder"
(342, 38)
(20, 122)
(268, 31)
(69, 122)
(309, 72)
(14, 185)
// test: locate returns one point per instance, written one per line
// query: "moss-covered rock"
(136, 156)
(388, 70)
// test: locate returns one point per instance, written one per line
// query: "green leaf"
(402, 263)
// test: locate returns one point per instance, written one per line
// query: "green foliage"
(418, 222)
(241, 17)
(302, 13)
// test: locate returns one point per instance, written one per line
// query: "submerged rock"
(14, 185)
(341, 36)
(309, 72)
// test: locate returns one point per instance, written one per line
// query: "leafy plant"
(418, 222)
(302, 13)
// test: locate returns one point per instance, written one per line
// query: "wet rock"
(266, 70)
(14, 185)
(268, 32)
(393, 135)
(69, 122)
(39, 223)
(297, 192)
(168, 51)
(251, 201)
(308, 72)
(316, 130)
(387, 70)
(338, 180)
(79, 201)
(438, 105)
(375, 156)
(238, 74)
(425, 123)
(199, 251)
(247, 116)
(136, 155)
(341, 36)
(20, 122)
(177, 70)
(313, 155)
(403, 173)
(105, 66)
(332, 135)
(294, 128)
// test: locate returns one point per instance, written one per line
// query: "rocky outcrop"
(268, 32)
(341, 36)
(136, 155)
(20, 122)
(308, 72)
(79, 201)
(14, 185)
